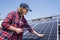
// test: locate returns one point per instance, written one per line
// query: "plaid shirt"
(14, 19)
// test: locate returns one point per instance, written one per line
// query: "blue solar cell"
(53, 36)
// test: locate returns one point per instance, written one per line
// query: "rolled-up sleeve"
(28, 27)
(7, 21)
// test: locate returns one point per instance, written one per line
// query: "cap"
(24, 5)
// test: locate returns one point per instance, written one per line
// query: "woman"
(16, 22)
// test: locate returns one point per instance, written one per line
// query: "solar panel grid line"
(46, 21)
(49, 39)
(47, 35)
(50, 31)
(24, 35)
(46, 28)
(43, 22)
(53, 36)
(34, 29)
(52, 20)
(47, 32)
(54, 30)
(43, 28)
(38, 28)
(52, 39)
(33, 22)
(49, 28)
(27, 31)
(33, 26)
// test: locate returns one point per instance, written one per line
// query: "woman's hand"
(18, 30)
(40, 35)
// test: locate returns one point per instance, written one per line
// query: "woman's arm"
(8, 20)
(17, 30)
(32, 31)
(40, 35)
(7, 23)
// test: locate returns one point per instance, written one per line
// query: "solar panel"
(47, 27)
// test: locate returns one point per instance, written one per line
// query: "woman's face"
(25, 11)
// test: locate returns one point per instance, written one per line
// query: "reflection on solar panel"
(47, 27)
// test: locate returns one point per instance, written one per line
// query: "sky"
(40, 8)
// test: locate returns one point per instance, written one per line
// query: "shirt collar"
(19, 14)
